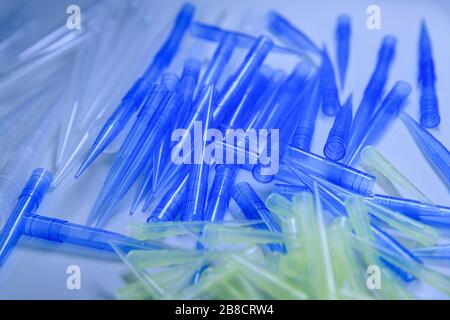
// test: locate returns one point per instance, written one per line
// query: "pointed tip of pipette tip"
(80, 171)
(405, 117)
(423, 26)
(134, 207)
(88, 160)
(84, 166)
(425, 42)
(412, 125)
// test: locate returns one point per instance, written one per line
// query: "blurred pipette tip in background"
(214, 147)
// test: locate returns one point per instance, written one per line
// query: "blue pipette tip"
(171, 203)
(330, 97)
(434, 151)
(86, 163)
(83, 167)
(241, 79)
(28, 201)
(281, 27)
(116, 122)
(343, 33)
(310, 104)
(138, 93)
(220, 193)
(134, 208)
(336, 144)
(429, 105)
(409, 121)
(425, 41)
(197, 187)
(63, 231)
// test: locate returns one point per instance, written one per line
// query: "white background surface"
(37, 269)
